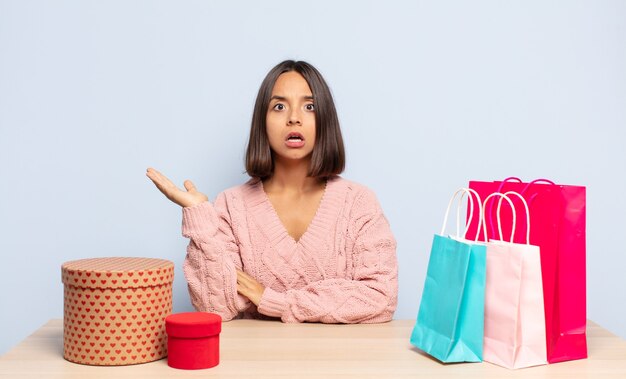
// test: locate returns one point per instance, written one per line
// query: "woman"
(296, 242)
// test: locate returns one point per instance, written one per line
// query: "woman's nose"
(295, 118)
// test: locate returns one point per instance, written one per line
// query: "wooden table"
(266, 349)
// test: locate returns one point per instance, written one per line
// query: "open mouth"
(294, 140)
(295, 137)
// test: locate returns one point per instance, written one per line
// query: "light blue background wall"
(430, 95)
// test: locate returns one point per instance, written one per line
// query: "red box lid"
(193, 324)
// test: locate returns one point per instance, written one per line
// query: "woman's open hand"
(187, 198)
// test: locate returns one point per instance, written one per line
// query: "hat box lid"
(117, 272)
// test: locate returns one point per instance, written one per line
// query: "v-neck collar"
(276, 231)
(277, 218)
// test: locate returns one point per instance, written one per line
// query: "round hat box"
(115, 310)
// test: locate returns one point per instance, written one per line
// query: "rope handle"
(525, 208)
(469, 192)
(505, 197)
(516, 179)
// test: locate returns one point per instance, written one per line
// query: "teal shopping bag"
(450, 320)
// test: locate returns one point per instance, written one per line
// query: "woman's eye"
(309, 107)
(279, 107)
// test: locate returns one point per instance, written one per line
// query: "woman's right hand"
(187, 198)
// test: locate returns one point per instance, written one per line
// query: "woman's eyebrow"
(283, 98)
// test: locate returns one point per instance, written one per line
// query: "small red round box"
(193, 340)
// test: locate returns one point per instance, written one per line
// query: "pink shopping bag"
(515, 334)
(558, 219)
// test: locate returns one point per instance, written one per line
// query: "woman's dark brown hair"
(328, 156)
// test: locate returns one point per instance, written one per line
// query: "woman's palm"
(187, 198)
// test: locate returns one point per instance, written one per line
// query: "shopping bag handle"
(500, 187)
(516, 179)
(505, 197)
(509, 179)
(469, 192)
(541, 180)
(525, 208)
(546, 181)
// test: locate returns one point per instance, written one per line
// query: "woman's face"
(291, 118)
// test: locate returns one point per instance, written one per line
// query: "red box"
(193, 340)
(115, 310)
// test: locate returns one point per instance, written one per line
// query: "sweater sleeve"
(369, 296)
(212, 259)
